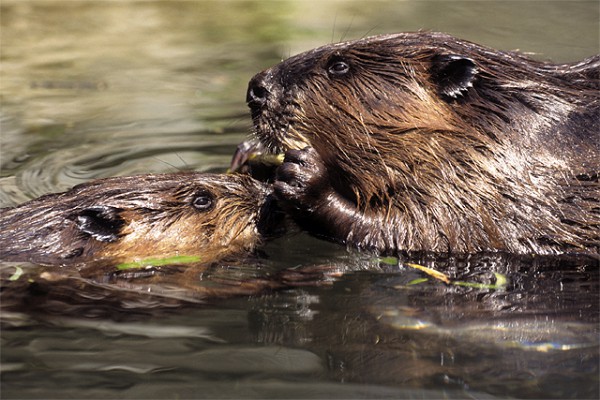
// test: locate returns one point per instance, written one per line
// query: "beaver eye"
(338, 67)
(203, 201)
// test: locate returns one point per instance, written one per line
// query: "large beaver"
(421, 141)
(133, 218)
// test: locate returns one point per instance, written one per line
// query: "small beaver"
(133, 218)
(421, 141)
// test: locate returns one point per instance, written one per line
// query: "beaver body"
(138, 217)
(421, 141)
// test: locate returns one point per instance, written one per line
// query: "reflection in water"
(530, 340)
(372, 325)
(94, 89)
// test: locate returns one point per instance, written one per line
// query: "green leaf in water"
(388, 260)
(157, 262)
(417, 281)
(430, 271)
(17, 274)
(500, 284)
(501, 279)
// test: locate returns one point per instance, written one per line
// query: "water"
(94, 89)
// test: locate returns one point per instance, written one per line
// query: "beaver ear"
(103, 223)
(453, 74)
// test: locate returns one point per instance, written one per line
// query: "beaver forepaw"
(300, 178)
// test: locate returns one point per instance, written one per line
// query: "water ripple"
(105, 154)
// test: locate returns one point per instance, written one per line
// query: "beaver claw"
(300, 178)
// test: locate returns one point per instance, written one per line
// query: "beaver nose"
(257, 91)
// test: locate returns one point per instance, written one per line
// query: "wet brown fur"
(133, 218)
(504, 157)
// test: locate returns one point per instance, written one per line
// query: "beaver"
(425, 142)
(138, 217)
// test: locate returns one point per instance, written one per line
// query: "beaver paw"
(301, 178)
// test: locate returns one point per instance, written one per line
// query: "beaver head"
(457, 146)
(133, 218)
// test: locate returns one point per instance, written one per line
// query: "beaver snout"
(259, 90)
